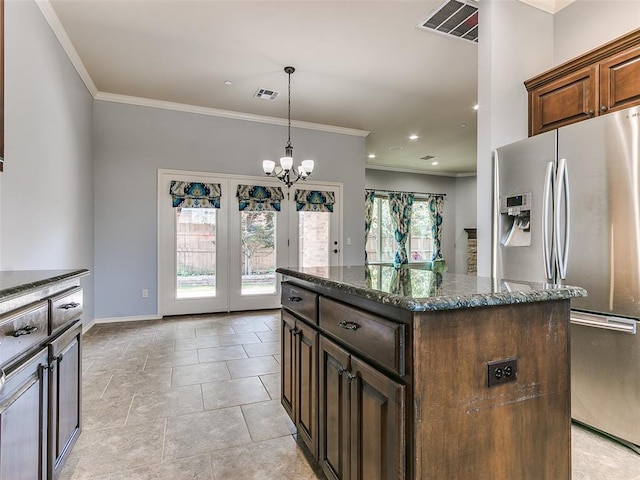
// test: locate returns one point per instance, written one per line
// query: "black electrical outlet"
(502, 371)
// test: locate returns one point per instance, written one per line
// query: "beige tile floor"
(197, 397)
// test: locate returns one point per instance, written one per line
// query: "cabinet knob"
(340, 370)
(603, 108)
(351, 376)
(348, 325)
(591, 113)
(67, 306)
(28, 330)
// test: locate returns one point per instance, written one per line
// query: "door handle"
(617, 324)
(562, 193)
(547, 236)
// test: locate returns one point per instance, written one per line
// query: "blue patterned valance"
(314, 201)
(257, 198)
(195, 194)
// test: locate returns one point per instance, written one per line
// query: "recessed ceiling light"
(228, 82)
(395, 148)
(413, 137)
(476, 106)
(371, 155)
(462, 125)
(434, 163)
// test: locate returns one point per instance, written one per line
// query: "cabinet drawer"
(64, 307)
(379, 339)
(300, 301)
(21, 329)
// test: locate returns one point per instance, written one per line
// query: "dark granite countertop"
(19, 282)
(419, 290)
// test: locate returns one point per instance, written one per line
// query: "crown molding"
(61, 34)
(420, 172)
(549, 6)
(181, 107)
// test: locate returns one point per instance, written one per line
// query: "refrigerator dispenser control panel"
(515, 204)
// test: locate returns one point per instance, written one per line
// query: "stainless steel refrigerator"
(567, 210)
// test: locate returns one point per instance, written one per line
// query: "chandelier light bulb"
(307, 166)
(268, 166)
(286, 163)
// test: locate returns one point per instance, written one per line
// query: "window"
(381, 243)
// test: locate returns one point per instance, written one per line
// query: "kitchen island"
(407, 373)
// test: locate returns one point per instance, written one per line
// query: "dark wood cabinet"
(620, 81)
(600, 81)
(362, 418)
(41, 354)
(335, 411)
(377, 424)
(64, 395)
(566, 100)
(23, 419)
(408, 395)
(299, 371)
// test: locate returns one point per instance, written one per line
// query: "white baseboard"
(127, 319)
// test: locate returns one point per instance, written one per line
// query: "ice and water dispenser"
(515, 211)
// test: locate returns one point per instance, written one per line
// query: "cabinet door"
(287, 366)
(377, 424)
(64, 395)
(567, 100)
(620, 81)
(23, 420)
(335, 411)
(306, 408)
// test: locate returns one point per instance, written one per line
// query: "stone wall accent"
(472, 251)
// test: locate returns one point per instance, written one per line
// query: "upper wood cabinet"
(603, 80)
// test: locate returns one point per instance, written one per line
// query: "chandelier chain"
(289, 114)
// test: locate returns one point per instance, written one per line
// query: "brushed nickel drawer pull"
(348, 325)
(67, 306)
(295, 299)
(28, 330)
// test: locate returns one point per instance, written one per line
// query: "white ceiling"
(359, 64)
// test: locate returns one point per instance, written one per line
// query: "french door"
(224, 259)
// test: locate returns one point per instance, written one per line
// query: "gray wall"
(46, 190)
(454, 238)
(132, 142)
(465, 216)
(604, 20)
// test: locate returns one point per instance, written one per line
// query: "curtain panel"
(257, 198)
(195, 194)
(314, 201)
(400, 206)
(369, 197)
(436, 207)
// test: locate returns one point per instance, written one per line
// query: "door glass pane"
(195, 252)
(258, 238)
(313, 243)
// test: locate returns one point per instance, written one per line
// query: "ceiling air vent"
(266, 94)
(428, 157)
(457, 18)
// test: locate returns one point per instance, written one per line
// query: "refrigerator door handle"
(617, 324)
(562, 193)
(547, 238)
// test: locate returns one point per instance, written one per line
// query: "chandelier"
(285, 171)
